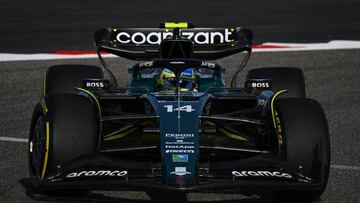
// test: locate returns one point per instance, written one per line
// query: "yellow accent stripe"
(209, 123)
(120, 135)
(272, 105)
(46, 150)
(232, 135)
(44, 85)
(92, 95)
(43, 105)
(176, 25)
(227, 133)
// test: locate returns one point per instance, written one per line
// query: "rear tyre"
(283, 78)
(306, 143)
(67, 128)
(64, 78)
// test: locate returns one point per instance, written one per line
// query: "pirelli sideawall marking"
(272, 105)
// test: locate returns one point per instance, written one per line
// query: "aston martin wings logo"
(180, 171)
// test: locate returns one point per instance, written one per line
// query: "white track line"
(13, 139)
(334, 166)
(332, 45)
(275, 47)
(343, 167)
(37, 57)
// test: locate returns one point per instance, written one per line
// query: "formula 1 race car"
(176, 126)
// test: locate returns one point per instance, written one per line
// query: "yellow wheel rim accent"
(46, 150)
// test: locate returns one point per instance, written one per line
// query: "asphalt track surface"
(331, 78)
(46, 26)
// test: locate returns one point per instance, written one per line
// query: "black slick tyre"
(64, 127)
(283, 78)
(64, 78)
(306, 143)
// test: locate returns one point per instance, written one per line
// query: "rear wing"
(144, 43)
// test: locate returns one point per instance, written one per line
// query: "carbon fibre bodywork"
(216, 138)
(184, 141)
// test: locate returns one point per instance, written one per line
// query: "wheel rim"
(37, 145)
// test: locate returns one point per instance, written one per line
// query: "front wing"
(256, 175)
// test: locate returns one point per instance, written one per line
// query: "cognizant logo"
(155, 38)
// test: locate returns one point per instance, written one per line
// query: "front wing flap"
(102, 172)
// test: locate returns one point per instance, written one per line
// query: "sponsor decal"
(261, 174)
(260, 84)
(94, 83)
(304, 178)
(177, 62)
(208, 64)
(101, 173)
(179, 147)
(262, 102)
(179, 142)
(146, 64)
(179, 135)
(180, 157)
(187, 151)
(155, 38)
(180, 171)
(183, 94)
(186, 108)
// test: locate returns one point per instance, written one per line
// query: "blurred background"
(46, 26)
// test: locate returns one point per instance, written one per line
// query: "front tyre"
(64, 127)
(62, 79)
(283, 78)
(306, 143)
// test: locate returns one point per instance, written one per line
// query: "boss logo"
(94, 84)
(260, 85)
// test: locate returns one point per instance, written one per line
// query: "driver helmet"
(187, 80)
